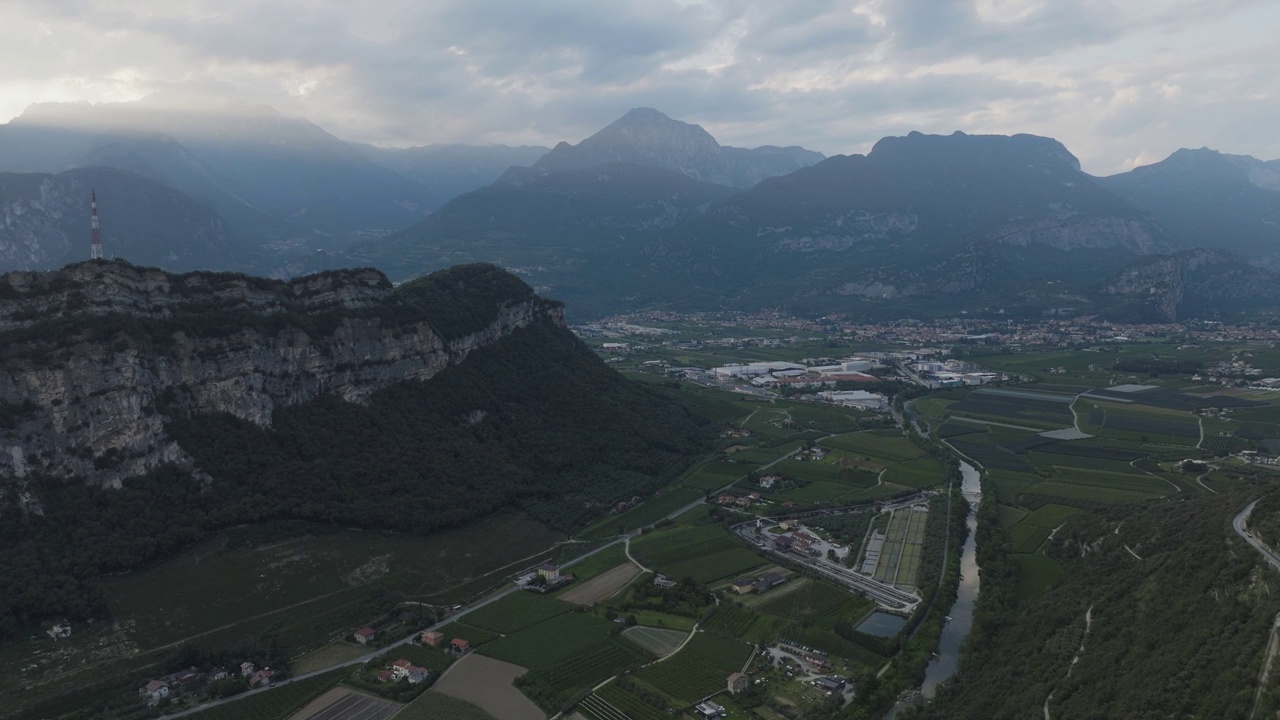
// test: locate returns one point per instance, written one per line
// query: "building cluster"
(758, 585)
(545, 578)
(193, 679)
(403, 671)
(777, 375)
(953, 373)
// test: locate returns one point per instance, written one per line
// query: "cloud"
(1113, 80)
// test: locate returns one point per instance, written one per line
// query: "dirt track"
(601, 586)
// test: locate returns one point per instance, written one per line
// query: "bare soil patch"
(656, 640)
(486, 683)
(344, 704)
(601, 586)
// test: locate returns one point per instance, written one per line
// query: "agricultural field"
(918, 473)
(698, 670)
(715, 475)
(550, 642)
(343, 704)
(581, 671)
(656, 641)
(472, 634)
(516, 611)
(743, 623)
(646, 513)
(488, 684)
(323, 576)
(903, 549)
(887, 445)
(1027, 538)
(432, 705)
(809, 601)
(602, 586)
(277, 703)
(706, 553)
(1050, 516)
(612, 702)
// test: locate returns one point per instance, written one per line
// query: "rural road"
(1240, 524)
(454, 617)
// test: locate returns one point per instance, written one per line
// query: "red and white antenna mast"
(95, 235)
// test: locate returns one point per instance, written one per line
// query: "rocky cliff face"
(1196, 279)
(96, 358)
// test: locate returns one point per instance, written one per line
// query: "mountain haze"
(646, 137)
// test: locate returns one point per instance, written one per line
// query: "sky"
(1120, 82)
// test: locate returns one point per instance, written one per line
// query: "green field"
(706, 553)
(473, 635)
(716, 566)
(1010, 516)
(276, 703)
(516, 611)
(646, 513)
(1050, 516)
(698, 670)
(739, 622)
(438, 706)
(810, 601)
(612, 702)
(323, 577)
(919, 473)
(716, 475)
(552, 641)
(585, 669)
(1028, 538)
(877, 444)
(1088, 493)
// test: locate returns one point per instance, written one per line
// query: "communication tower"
(95, 235)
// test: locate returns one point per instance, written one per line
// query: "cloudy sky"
(1120, 82)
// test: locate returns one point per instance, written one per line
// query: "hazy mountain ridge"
(450, 170)
(44, 222)
(644, 136)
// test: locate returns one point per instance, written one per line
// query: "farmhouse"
(364, 635)
(417, 675)
(383, 676)
(549, 572)
(261, 678)
(247, 668)
(742, 586)
(663, 581)
(155, 691)
(400, 669)
(830, 684)
(710, 710)
(431, 638)
(460, 646)
(738, 682)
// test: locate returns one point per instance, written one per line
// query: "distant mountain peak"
(648, 137)
(974, 148)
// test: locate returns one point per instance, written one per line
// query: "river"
(943, 665)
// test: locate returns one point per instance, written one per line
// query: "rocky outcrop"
(1198, 278)
(98, 357)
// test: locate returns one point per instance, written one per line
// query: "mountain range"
(651, 211)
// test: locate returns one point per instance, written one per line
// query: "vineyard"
(739, 622)
(551, 642)
(516, 611)
(438, 706)
(473, 635)
(807, 603)
(582, 671)
(698, 670)
(614, 703)
(277, 703)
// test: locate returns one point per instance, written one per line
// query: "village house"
(383, 676)
(417, 675)
(738, 682)
(247, 668)
(663, 581)
(431, 638)
(710, 710)
(155, 691)
(262, 678)
(742, 586)
(460, 646)
(549, 572)
(218, 673)
(364, 635)
(768, 481)
(400, 669)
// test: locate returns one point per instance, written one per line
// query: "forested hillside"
(1166, 609)
(530, 420)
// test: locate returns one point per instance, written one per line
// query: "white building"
(860, 399)
(754, 369)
